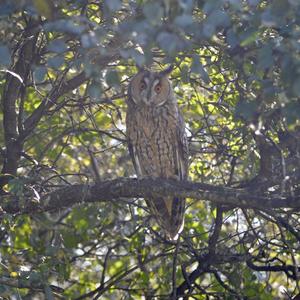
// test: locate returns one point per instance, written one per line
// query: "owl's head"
(150, 88)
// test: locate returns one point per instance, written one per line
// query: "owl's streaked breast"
(155, 139)
(157, 142)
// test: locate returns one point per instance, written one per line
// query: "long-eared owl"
(157, 142)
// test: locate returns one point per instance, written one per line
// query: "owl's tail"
(169, 213)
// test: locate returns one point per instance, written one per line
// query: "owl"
(157, 142)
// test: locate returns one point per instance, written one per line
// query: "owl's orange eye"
(157, 88)
(142, 86)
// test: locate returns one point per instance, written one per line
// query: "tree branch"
(10, 96)
(24, 284)
(289, 270)
(121, 188)
(59, 90)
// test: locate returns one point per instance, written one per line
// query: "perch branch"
(124, 189)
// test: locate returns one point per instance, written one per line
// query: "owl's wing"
(182, 151)
(131, 134)
(170, 210)
(134, 157)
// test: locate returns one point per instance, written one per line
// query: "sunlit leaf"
(44, 7)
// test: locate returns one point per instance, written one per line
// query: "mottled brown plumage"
(157, 142)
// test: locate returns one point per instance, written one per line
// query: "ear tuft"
(166, 71)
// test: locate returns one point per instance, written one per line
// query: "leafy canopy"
(65, 66)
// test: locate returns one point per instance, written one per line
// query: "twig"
(174, 296)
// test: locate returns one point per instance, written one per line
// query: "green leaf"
(211, 6)
(39, 74)
(5, 59)
(16, 186)
(232, 38)
(265, 57)
(70, 239)
(48, 293)
(3, 289)
(35, 277)
(197, 67)
(112, 78)
(186, 5)
(55, 62)
(253, 2)
(292, 111)
(268, 19)
(245, 109)
(64, 26)
(95, 91)
(183, 21)
(236, 4)
(218, 18)
(6, 8)
(44, 7)
(51, 250)
(169, 42)
(89, 40)
(153, 11)
(138, 57)
(249, 37)
(58, 46)
(113, 5)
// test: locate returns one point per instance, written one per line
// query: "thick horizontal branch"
(23, 284)
(126, 188)
(289, 270)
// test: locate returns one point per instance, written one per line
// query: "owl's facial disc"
(150, 89)
(145, 91)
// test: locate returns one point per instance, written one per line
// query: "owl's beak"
(147, 99)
